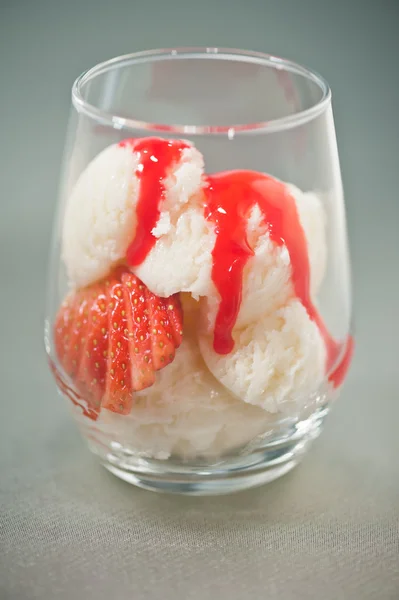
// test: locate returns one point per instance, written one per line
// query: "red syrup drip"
(230, 196)
(156, 157)
(338, 375)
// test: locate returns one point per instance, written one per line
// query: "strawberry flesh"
(162, 333)
(138, 328)
(61, 327)
(93, 365)
(111, 338)
(118, 391)
(175, 315)
(77, 332)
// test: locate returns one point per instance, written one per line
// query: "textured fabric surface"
(69, 529)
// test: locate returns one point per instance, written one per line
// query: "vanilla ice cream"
(277, 359)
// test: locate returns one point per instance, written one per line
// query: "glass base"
(268, 461)
(201, 486)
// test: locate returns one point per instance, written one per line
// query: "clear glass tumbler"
(199, 304)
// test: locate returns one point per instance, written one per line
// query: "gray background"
(69, 529)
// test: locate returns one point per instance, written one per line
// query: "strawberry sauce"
(157, 157)
(338, 375)
(229, 198)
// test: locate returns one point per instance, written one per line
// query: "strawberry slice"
(162, 332)
(138, 329)
(175, 315)
(111, 338)
(71, 331)
(62, 326)
(93, 363)
(118, 391)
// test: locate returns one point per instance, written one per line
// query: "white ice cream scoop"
(276, 360)
(100, 222)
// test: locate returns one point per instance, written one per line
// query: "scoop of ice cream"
(266, 284)
(100, 218)
(186, 413)
(100, 222)
(277, 359)
(181, 259)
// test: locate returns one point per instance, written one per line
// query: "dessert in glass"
(199, 305)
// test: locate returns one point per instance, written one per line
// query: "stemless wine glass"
(199, 306)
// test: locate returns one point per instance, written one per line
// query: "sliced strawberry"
(118, 390)
(111, 337)
(62, 325)
(82, 326)
(75, 334)
(175, 315)
(138, 328)
(161, 330)
(93, 364)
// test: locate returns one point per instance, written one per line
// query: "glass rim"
(269, 126)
